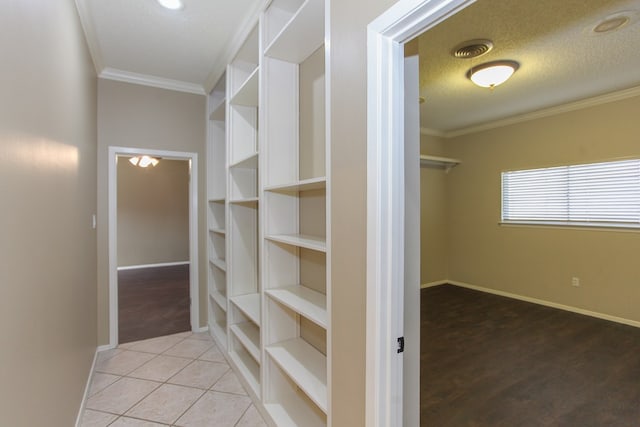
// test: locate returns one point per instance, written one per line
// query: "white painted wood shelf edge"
(218, 230)
(305, 365)
(249, 162)
(319, 183)
(244, 366)
(301, 36)
(282, 417)
(247, 93)
(218, 112)
(250, 305)
(220, 263)
(219, 299)
(315, 243)
(304, 301)
(445, 163)
(249, 336)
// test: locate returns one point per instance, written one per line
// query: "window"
(596, 194)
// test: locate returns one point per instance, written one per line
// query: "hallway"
(175, 380)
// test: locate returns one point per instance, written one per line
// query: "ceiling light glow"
(492, 74)
(172, 4)
(143, 161)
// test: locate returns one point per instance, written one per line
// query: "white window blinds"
(602, 194)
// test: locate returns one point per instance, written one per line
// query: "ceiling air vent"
(472, 48)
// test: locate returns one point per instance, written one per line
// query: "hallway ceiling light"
(143, 161)
(172, 4)
(492, 74)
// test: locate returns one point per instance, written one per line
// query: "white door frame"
(386, 36)
(114, 152)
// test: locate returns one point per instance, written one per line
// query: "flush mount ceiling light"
(492, 74)
(615, 21)
(172, 4)
(143, 161)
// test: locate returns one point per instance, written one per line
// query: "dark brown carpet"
(490, 361)
(153, 302)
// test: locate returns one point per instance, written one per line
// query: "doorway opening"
(151, 260)
(153, 247)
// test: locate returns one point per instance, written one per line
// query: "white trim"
(234, 45)
(590, 313)
(87, 386)
(160, 264)
(432, 284)
(545, 112)
(194, 288)
(90, 35)
(202, 329)
(385, 197)
(109, 73)
(105, 347)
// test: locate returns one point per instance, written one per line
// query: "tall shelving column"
(244, 317)
(294, 236)
(216, 211)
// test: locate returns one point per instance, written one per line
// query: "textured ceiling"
(561, 59)
(139, 40)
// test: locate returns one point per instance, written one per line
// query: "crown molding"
(234, 46)
(90, 35)
(153, 81)
(547, 112)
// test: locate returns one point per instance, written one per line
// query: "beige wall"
(47, 188)
(348, 117)
(539, 262)
(153, 212)
(149, 118)
(433, 214)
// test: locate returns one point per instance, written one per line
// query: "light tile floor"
(177, 380)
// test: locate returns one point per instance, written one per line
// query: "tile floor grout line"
(244, 413)
(203, 391)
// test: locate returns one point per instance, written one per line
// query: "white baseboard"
(436, 283)
(202, 329)
(161, 264)
(105, 347)
(87, 386)
(595, 314)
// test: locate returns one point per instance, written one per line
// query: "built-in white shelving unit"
(268, 220)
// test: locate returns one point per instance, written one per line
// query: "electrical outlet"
(575, 281)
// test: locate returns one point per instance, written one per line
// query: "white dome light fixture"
(171, 4)
(492, 74)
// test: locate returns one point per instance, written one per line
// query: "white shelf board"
(445, 163)
(305, 365)
(218, 112)
(247, 93)
(218, 230)
(249, 336)
(319, 183)
(250, 373)
(301, 240)
(247, 201)
(219, 334)
(219, 299)
(220, 263)
(249, 162)
(217, 200)
(291, 417)
(301, 36)
(307, 302)
(250, 305)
